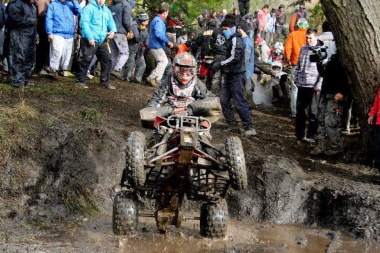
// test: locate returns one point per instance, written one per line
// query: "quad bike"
(179, 161)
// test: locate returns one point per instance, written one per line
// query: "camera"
(318, 53)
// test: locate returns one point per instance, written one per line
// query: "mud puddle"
(95, 235)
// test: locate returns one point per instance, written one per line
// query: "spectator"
(203, 19)
(292, 47)
(293, 25)
(328, 39)
(214, 20)
(23, 36)
(253, 24)
(270, 27)
(233, 86)
(264, 49)
(157, 41)
(122, 15)
(304, 12)
(333, 93)
(374, 119)
(262, 16)
(309, 81)
(238, 17)
(61, 30)
(223, 15)
(243, 7)
(97, 26)
(281, 28)
(137, 47)
(42, 50)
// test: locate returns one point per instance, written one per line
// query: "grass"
(91, 114)
(15, 129)
(80, 200)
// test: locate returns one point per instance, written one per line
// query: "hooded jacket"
(122, 14)
(96, 21)
(60, 18)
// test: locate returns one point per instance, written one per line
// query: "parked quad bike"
(179, 161)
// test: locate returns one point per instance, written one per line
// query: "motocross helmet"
(184, 68)
(278, 48)
(276, 67)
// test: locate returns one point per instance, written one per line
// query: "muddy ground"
(63, 151)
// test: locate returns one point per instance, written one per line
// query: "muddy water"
(95, 235)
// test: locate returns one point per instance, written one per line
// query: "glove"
(216, 66)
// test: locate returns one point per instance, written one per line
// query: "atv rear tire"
(236, 162)
(125, 214)
(213, 220)
(135, 158)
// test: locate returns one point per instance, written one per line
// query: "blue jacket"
(157, 34)
(96, 21)
(60, 18)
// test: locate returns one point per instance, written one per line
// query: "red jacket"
(375, 110)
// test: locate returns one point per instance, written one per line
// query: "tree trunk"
(356, 29)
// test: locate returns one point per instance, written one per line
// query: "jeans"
(233, 88)
(102, 52)
(306, 99)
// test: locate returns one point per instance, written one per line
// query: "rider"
(182, 86)
(182, 92)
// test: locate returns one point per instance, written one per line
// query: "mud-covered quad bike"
(178, 161)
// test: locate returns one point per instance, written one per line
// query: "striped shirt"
(306, 72)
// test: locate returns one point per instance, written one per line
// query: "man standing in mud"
(233, 87)
(23, 37)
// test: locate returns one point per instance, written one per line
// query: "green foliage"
(316, 16)
(91, 114)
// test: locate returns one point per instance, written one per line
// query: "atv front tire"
(213, 220)
(135, 158)
(236, 162)
(125, 214)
